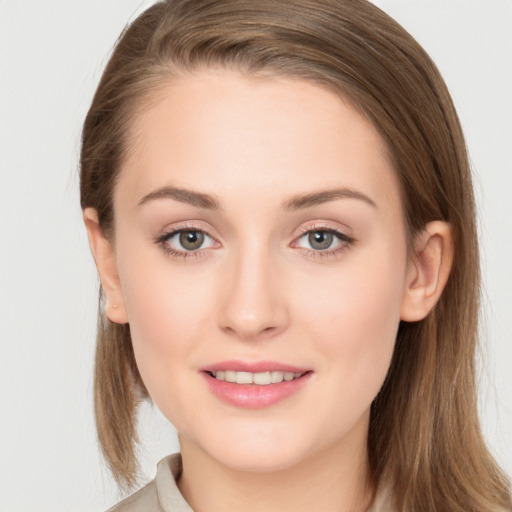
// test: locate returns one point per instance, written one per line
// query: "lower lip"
(253, 396)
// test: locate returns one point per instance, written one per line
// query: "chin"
(255, 459)
(266, 449)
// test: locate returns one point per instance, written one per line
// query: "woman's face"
(259, 237)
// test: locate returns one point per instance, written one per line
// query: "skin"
(257, 289)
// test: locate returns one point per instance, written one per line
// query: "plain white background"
(51, 57)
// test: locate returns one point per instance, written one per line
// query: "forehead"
(223, 132)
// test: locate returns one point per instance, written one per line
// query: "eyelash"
(181, 255)
(345, 241)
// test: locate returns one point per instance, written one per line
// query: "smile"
(255, 385)
(260, 378)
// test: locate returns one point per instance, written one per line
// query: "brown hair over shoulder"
(424, 436)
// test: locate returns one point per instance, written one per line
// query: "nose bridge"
(254, 302)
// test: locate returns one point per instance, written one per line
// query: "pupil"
(320, 240)
(191, 240)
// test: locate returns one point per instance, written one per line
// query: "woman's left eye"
(187, 240)
(323, 240)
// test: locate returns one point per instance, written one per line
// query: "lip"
(254, 367)
(253, 396)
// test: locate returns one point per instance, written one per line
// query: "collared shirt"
(162, 493)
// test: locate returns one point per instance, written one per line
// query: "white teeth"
(263, 379)
(276, 377)
(230, 376)
(260, 378)
(243, 378)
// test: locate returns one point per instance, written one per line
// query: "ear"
(428, 271)
(104, 255)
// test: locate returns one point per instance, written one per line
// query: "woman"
(279, 203)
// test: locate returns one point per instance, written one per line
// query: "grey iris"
(191, 240)
(320, 240)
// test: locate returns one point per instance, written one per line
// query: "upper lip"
(254, 367)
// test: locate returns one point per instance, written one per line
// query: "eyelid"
(344, 232)
(198, 226)
(345, 240)
(175, 233)
(167, 233)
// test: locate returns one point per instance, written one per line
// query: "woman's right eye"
(186, 241)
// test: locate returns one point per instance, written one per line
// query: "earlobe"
(104, 255)
(428, 271)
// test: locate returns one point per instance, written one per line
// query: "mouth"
(259, 378)
(255, 385)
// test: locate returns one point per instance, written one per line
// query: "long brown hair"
(424, 436)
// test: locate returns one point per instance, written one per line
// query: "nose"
(253, 304)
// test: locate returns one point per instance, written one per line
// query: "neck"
(336, 479)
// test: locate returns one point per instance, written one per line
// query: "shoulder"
(161, 494)
(145, 499)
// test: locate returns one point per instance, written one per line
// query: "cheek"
(167, 310)
(356, 319)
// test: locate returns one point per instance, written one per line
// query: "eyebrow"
(182, 195)
(297, 202)
(302, 201)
